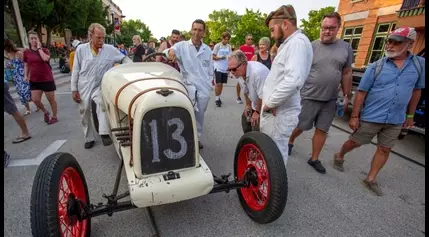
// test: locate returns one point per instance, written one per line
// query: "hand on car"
(172, 55)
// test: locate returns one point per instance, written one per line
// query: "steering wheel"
(152, 57)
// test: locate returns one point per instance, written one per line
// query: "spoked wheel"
(265, 198)
(94, 115)
(57, 197)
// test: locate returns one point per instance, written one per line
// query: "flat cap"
(283, 12)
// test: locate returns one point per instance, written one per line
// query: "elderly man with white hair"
(91, 61)
(251, 76)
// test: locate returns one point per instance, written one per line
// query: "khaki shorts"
(387, 134)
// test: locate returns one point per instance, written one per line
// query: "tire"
(245, 125)
(274, 177)
(44, 208)
(94, 115)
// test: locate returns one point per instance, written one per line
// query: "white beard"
(395, 54)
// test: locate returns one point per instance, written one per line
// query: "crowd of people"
(288, 88)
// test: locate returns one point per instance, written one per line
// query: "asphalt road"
(334, 204)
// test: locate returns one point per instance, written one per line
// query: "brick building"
(367, 23)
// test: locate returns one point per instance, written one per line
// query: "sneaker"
(107, 141)
(239, 101)
(317, 165)
(338, 164)
(290, 146)
(46, 117)
(218, 103)
(89, 145)
(373, 187)
(53, 120)
(6, 158)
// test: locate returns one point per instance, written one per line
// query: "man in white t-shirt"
(251, 76)
(220, 52)
(195, 61)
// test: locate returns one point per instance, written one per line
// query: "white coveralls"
(197, 72)
(88, 70)
(282, 87)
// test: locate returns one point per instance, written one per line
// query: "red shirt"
(39, 70)
(249, 51)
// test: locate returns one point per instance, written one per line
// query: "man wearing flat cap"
(281, 100)
(386, 101)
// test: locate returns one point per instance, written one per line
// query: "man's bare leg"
(295, 133)
(238, 90)
(319, 139)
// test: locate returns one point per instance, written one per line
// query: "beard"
(280, 39)
(395, 54)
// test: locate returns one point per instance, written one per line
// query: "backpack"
(379, 65)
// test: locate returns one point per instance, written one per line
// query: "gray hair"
(92, 27)
(266, 41)
(239, 56)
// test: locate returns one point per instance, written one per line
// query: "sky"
(162, 16)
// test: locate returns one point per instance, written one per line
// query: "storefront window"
(352, 36)
(10, 26)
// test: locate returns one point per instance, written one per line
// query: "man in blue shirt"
(385, 103)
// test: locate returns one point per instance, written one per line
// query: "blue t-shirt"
(388, 96)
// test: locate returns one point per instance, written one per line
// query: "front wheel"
(59, 189)
(265, 198)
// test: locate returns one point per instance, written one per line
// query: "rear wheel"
(265, 198)
(59, 187)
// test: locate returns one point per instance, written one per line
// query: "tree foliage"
(219, 22)
(251, 22)
(58, 15)
(311, 28)
(133, 27)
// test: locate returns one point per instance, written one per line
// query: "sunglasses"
(394, 42)
(234, 69)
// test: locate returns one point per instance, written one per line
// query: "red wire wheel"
(264, 199)
(58, 182)
(70, 184)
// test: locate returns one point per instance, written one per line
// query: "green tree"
(134, 27)
(252, 22)
(35, 12)
(219, 22)
(311, 27)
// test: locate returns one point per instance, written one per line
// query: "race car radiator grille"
(167, 140)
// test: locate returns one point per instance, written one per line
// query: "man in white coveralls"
(195, 62)
(281, 93)
(91, 61)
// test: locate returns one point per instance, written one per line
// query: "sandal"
(27, 112)
(52, 120)
(21, 139)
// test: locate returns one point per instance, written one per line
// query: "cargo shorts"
(387, 134)
(319, 114)
(9, 104)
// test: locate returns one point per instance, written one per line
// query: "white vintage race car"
(154, 133)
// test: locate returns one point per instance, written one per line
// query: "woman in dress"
(263, 54)
(17, 64)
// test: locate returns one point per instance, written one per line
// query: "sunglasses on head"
(234, 69)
